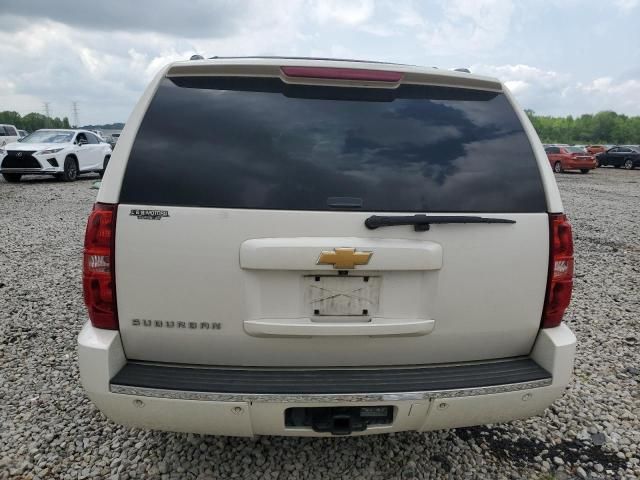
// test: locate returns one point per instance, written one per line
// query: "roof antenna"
(196, 57)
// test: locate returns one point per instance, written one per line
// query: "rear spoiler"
(411, 75)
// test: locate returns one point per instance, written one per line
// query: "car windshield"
(575, 149)
(48, 136)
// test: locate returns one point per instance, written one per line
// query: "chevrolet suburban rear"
(286, 246)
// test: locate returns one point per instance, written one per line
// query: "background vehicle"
(22, 133)
(99, 134)
(564, 158)
(113, 139)
(288, 247)
(622, 156)
(595, 149)
(8, 134)
(63, 153)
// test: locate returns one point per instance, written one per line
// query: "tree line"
(32, 121)
(601, 128)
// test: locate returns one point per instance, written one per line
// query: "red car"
(570, 158)
(595, 149)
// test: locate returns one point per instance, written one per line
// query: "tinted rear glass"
(263, 144)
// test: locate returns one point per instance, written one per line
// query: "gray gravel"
(49, 429)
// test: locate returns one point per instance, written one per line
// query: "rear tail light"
(98, 273)
(342, 73)
(560, 278)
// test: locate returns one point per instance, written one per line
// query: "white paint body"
(456, 293)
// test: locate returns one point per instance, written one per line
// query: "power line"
(75, 114)
(47, 113)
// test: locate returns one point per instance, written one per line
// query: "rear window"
(262, 144)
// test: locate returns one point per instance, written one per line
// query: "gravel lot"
(49, 429)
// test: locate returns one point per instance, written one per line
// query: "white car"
(8, 134)
(60, 152)
(320, 247)
(22, 133)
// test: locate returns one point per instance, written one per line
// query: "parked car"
(8, 134)
(278, 268)
(60, 152)
(113, 139)
(627, 156)
(570, 158)
(595, 149)
(22, 133)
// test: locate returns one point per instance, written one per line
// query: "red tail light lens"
(560, 279)
(98, 273)
(342, 73)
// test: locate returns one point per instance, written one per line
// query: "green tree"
(33, 121)
(603, 127)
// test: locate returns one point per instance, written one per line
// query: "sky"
(558, 57)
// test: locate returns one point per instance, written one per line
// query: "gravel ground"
(49, 429)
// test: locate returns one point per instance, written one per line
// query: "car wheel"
(557, 167)
(70, 172)
(12, 177)
(584, 170)
(104, 166)
(628, 164)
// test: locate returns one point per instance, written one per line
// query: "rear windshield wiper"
(421, 223)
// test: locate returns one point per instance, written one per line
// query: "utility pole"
(47, 113)
(75, 115)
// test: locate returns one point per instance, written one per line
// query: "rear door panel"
(214, 270)
(221, 225)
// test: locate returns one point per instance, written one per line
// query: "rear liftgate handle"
(305, 327)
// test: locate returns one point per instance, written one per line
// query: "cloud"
(468, 26)
(103, 55)
(621, 95)
(193, 18)
(627, 5)
(47, 60)
(347, 12)
(552, 92)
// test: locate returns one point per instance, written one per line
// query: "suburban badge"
(143, 322)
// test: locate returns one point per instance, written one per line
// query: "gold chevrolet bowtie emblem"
(344, 258)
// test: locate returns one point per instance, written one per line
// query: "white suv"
(63, 153)
(314, 247)
(8, 134)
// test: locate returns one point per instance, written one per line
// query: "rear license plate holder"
(342, 296)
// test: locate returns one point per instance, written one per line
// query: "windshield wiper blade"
(422, 223)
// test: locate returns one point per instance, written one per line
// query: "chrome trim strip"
(331, 398)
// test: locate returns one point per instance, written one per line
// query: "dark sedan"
(621, 156)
